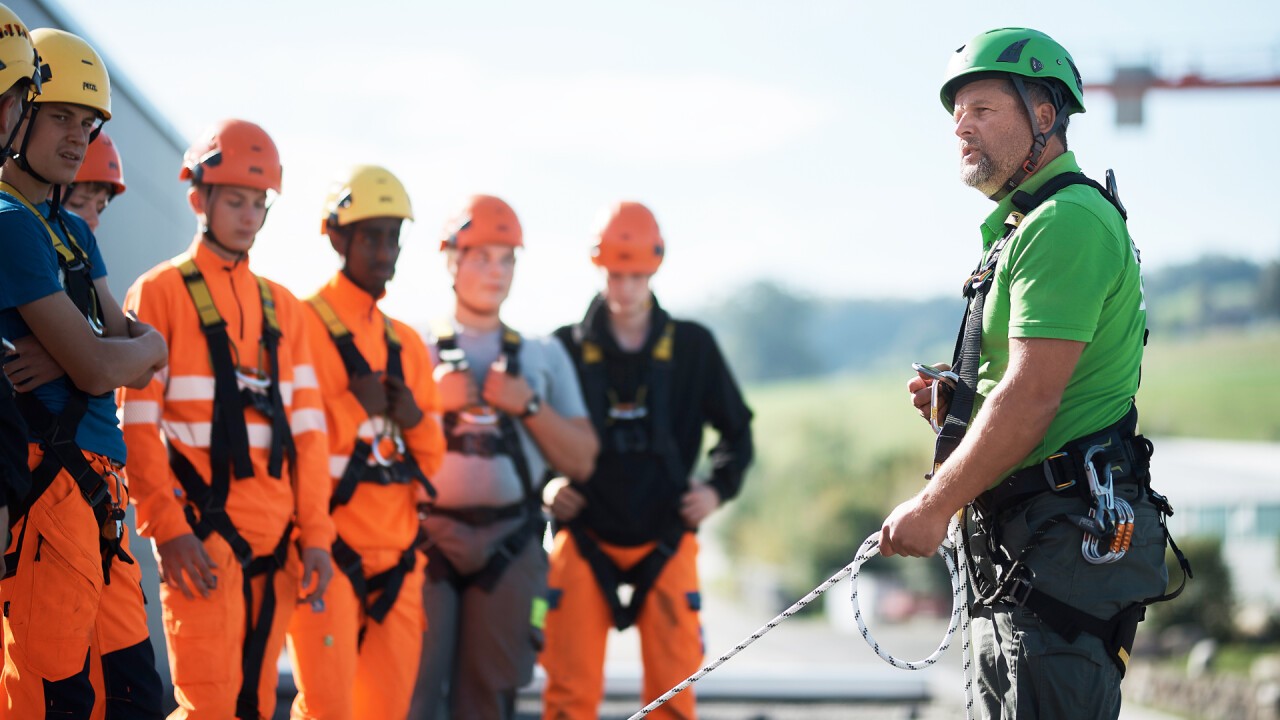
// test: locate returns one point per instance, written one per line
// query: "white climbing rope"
(949, 550)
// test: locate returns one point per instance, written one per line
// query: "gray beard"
(980, 176)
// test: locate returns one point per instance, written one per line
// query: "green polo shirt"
(1069, 272)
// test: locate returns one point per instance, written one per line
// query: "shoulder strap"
(1027, 202)
(281, 433)
(968, 348)
(511, 349)
(660, 411)
(229, 437)
(74, 263)
(352, 360)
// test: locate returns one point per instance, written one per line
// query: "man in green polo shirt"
(1042, 412)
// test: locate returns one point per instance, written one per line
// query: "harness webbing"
(57, 433)
(206, 513)
(1117, 632)
(388, 582)
(206, 510)
(641, 577)
(404, 469)
(438, 566)
(654, 397)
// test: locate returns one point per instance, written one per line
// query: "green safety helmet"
(1017, 51)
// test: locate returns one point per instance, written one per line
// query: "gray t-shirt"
(471, 481)
(467, 481)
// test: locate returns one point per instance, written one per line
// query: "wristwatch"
(532, 407)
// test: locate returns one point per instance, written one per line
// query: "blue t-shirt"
(30, 271)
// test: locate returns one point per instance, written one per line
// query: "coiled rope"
(951, 553)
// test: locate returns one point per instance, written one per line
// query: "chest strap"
(229, 437)
(450, 353)
(647, 426)
(968, 347)
(404, 467)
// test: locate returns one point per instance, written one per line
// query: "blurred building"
(1230, 491)
(150, 221)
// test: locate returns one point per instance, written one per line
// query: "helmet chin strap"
(207, 231)
(1039, 140)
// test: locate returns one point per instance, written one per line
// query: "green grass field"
(833, 455)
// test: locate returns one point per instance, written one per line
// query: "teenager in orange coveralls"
(356, 655)
(229, 443)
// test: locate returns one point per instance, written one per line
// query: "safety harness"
(1087, 467)
(57, 433)
(640, 426)
(367, 465)
(506, 442)
(206, 508)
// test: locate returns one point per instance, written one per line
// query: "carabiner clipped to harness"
(478, 415)
(1113, 516)
(253, 380)
(388, 431)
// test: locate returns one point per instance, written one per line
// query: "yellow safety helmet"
(368, 191)
(72, 71)
(18, 58)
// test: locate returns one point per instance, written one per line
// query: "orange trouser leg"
(579, 620)
(59, 606)
(206, 638)
(388, 667)
(671, 633)
(340, 679)
(323, 652)
(577, 631)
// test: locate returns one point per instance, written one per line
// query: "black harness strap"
(439, 568)
(387, 583)
(57, 433)
(1061, 472)
(403, 469)
(653, 397)
(968, 347)
(206, 510)
(641, 577)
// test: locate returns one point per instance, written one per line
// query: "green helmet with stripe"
(1023, 52)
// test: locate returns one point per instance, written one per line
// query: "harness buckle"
(1019, 592)
(99, 494)
(628, 411)
(1055, 484)
(479, 415)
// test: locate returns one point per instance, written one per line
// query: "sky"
(798, 142)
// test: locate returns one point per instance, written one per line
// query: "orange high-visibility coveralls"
(57, 608)
(670, 631)
(341, 676)
(206, 635)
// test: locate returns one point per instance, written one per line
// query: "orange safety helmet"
(233, 152)
(628, 240)
(484, 220)
(102, 164)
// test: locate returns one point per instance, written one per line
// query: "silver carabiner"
(479, 415)
(1114, 515)
(388, 431)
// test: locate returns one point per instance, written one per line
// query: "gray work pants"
(480, 647)
(1024, 669)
